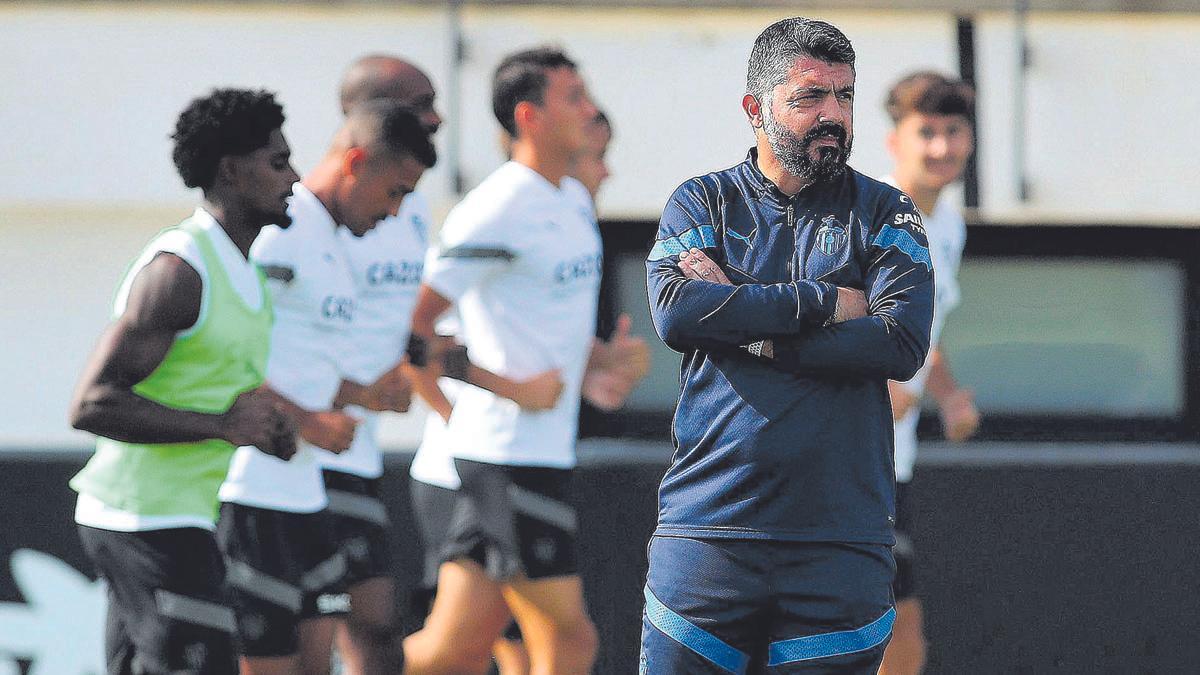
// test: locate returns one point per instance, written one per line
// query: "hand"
(606, 389)
(283, 438)
(615, 367)
(622, 351)
(960, 417)
(332, 430)
(539, 393)
(851, 304)
(695, 265)
(254, 419)
(392, 391)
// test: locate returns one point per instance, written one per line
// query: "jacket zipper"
(793, 261)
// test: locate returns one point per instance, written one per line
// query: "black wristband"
(455, 362)
(418, 350)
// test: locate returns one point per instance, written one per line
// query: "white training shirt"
(521, 259)
(243, 278)
(386, 265)
(434, 462)
(947, 236)
(314, 295)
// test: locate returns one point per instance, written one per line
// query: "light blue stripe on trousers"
(832, 644)
(694, 637)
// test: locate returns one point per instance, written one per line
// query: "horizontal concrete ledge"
(607, 451)
(599, 452)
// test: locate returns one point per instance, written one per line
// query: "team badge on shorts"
(831, 236)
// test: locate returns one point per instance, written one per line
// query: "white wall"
(91, 92)
(1111, 111)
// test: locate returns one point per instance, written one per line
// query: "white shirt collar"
(311, 208)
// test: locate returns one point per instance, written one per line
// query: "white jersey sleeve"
(473, 246)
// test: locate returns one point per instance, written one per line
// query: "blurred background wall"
(1105, 135)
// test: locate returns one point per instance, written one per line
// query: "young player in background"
(434, 479)
(174, 386)
(932, 138)
(286, 568)
(520, 257)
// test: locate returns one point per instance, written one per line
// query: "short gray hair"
(780, 44)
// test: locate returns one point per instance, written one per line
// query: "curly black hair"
(226, 122)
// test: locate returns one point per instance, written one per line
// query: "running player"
(386, 265)
(434, 478)
(931, 141)
(520, 258)
(591, 166)
(285, 564)
(171, 390)
(773, 546)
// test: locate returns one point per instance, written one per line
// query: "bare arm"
(960, 417)
(615, 367)
(163, 300)
(391, 391)
(538, 393)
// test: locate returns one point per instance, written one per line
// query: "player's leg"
(265, 566)
(467, 611)
(905, 654)
(118, 647)
(467, 616)
(369, 639)
(833, 608)
(512, 658)
(706, 606)
(544, 590)
(554, 624)
(315, 645)
(169, 599)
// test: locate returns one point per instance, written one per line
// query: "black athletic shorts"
(281, 568)
(517, 519)
(167, 607)
(433, 508)
(905, 585)
(361, 526)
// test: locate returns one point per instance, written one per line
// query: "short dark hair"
(522, 77)
(226, 122)
(395, 130)
(930, 93)
(776, 49)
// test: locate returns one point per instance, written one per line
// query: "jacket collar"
(764, 187)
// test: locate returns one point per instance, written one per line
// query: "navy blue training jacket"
(797, 447)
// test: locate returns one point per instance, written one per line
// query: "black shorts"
(167, 607)
(281, 569)
(433, 509)
(433, 506)
(905, 585)
(517, 519)
(361, 526)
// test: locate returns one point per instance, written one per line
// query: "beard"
(273, 217)
(795, 152)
